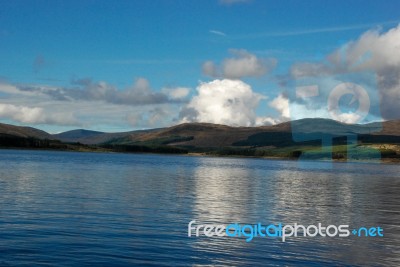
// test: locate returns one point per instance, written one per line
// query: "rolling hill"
(215, 135)
(79, 135)
(285, 139)
(24, 132)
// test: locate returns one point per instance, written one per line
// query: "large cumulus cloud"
(229, 102)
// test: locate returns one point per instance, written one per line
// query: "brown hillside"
(207, 134)
(390, 128)
(23, 131)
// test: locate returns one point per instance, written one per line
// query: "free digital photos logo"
(348, 94)
(281, 231)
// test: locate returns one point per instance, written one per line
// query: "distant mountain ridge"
(216, 135)
(94, 137)
(76, 135)
(207, 134)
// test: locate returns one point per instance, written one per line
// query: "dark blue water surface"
(94, 209)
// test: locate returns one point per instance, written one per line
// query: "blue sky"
(54, 44)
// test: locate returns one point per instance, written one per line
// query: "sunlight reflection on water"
(122, 209)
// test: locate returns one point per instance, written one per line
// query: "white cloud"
(373, 51)
(281, 104)
(93, 105)
(383, 49)
(135, 119)
(157, 116)
(384, 52)
(294, 111)
(306, 69)
(139, 94)
(262, 121)
(35, 115)
(12, 89)
(229, 102)
(217, 32)
(178, 93)
(210, 69)
(241, 64)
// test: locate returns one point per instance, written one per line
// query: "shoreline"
(390, 161)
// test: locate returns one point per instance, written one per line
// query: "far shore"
(203, 154)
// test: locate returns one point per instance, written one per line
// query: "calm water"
(92, 209)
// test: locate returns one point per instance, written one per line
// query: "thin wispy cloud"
(217, 32)
(313, 31)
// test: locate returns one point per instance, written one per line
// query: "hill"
(289, 139)
(94, 137)
(79, 135)
(214, 135)
(22, 131)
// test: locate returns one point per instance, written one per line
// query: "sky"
(126, 65)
